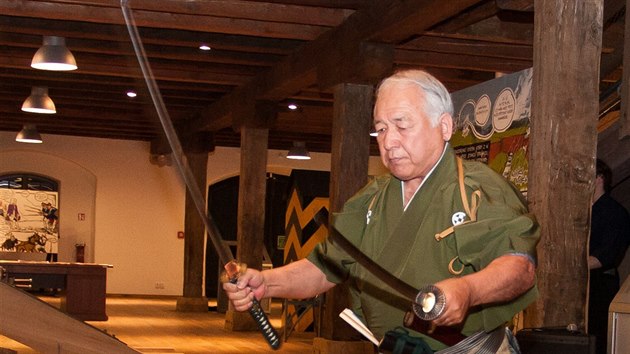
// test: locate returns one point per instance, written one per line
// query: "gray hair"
(437, 98)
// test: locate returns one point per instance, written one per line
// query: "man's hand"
(296, 280)
(249, 284)
(457, 294)
(504, 279)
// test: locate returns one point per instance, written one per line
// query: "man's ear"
(446, 126)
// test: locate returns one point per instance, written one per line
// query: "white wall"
(133, 208)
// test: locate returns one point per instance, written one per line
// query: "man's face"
(408, 144)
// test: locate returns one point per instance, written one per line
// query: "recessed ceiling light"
(292, 106)
(205, 47)
(131, 94)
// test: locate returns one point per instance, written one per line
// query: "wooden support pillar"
(251, 199)
(352, 119)
(194, 241)
(562, 158)
(624, 130)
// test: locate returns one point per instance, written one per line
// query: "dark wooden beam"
(360, 63)
(461, 61)
(515, 5)
(268, 12)
(73, 29)
(128, 67)
(469, 17)
(561, 161)
(251, 210)
(185, 19)
(348, 173)
(624, 119)
(386, 21)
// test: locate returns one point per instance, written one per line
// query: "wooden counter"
(83, 284)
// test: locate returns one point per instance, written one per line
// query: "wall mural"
(492, 124)
(29, 221)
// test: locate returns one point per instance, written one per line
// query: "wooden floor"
(152, 325)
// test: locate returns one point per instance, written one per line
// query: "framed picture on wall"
(29, 214)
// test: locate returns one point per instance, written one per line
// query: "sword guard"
(430, 303)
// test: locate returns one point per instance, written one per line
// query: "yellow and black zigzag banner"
(302, 233)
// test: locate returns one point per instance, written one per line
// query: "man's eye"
(376, 132)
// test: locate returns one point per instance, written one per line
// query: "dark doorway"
(223, 206)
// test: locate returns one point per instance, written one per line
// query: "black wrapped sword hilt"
(233, 270)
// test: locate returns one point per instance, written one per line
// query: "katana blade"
(222, 249)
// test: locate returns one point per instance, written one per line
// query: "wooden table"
(83, 284)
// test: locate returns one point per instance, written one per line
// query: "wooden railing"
(43, 327)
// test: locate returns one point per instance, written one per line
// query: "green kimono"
(404, 242)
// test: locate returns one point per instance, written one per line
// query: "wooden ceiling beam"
(468, 17)
(180, 21)
(449, 45)
(493, 29)
(268, 12)
(129, 68)
(159, 51)
(118, 33)
(386, 21)
(496, 30)
(344, 4)
(461, 61)
(359, 62)
(516, 5)
(27, 78)
(398, 22)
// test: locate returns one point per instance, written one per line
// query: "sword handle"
(258, 314)
(269, 333)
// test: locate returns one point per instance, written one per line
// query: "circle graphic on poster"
(482, 110)
(503, 111)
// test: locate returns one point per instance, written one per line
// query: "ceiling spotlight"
(29, 134)
(298, 151)
(54, 55)
(205, 47)
(131, 94)
(39, 102)
(292, 106)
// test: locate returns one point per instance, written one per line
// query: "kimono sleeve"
(503, 226)
(328, 257)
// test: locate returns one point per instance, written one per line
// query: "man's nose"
(389, 140)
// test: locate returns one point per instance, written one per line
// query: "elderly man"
(417, 222)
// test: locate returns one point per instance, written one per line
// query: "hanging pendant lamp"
(39, 101)
(54, 55)
(29, 134)
(298, 151)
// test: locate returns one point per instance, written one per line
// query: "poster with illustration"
(491, 124)
(29, 221)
